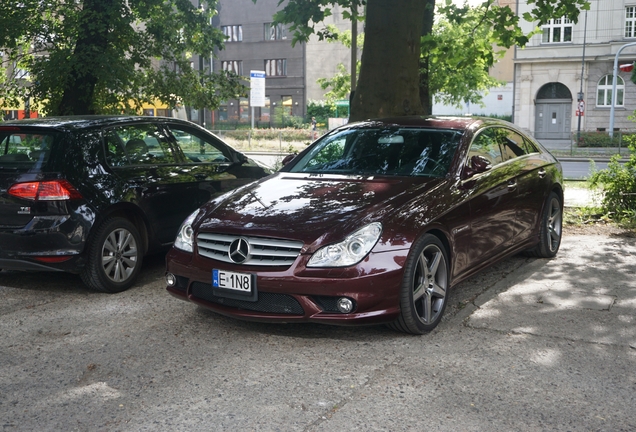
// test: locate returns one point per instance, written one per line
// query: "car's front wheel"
(114, 257)
(424, 290)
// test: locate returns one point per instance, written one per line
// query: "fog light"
(171, 280)
(344, 305)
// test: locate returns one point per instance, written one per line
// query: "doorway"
(553, 116)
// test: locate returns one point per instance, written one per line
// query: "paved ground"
(529, 345)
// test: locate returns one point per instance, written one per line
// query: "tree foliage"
(458, 57)
(110, 56)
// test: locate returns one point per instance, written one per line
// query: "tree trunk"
(425, 94)
(92, 42)
(391, 45)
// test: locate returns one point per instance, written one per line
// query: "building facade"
(254, 44)
(564, 76)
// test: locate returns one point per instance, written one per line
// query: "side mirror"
(478, 164)
(288, 159)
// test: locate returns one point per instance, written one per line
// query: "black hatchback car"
(92, 195)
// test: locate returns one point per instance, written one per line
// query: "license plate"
(240, 282)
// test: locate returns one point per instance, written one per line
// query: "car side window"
(140, 144)
(486, 144)
(530, 147)
(513, 145)
(200, 148)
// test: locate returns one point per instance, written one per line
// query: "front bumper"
(297, 294)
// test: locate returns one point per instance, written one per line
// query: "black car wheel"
(551, 228)
(114, 257)
(424, 287)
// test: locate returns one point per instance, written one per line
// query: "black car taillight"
(52, 190)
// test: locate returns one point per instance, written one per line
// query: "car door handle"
(512, 185)
(542, 173)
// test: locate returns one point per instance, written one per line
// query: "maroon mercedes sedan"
(373, 223)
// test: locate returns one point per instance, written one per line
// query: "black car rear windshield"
(383, 151)
(21, 148)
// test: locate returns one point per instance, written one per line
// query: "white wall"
(498, 101)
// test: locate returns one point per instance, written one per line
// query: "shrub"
(507, 118)
(619, 185)
(286, 135)
(321, 110)
(601, 139)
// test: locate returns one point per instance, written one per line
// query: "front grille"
(267, 302)
(262, 251)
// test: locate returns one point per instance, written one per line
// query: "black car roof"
(82, 122)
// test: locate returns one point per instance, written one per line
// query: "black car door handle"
(542, 173)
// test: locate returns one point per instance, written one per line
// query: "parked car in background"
(373, 223)
(92, 195)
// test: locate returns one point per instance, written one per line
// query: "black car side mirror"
(288, 159)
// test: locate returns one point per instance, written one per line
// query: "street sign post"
(257, 91)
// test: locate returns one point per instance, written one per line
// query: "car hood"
(315, 209)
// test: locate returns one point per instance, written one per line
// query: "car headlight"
(185, 236)
(350, 251)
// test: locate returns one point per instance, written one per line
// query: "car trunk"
(24, 155)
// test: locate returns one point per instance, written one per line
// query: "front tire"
(551, 228)
(424, 290)
(114, 257)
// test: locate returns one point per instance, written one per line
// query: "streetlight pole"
(581, 98)
(614, 79)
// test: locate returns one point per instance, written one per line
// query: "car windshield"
(382, 151)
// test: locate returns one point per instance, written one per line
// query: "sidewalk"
(580, 197)
(587, 293)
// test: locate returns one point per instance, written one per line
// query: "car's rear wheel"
(114, 257)
(424, 289)
(551, 228)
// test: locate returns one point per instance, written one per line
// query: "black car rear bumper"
(46, 243)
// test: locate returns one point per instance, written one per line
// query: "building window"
(274, 32)
(630, 22)
(235, 66)
(604, 92)
(557, 30)
(233, 33)
(276, 67)
(286, 102)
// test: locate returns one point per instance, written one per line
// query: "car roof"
(70, 123)
(436, 122)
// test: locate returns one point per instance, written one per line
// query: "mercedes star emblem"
(239, 251)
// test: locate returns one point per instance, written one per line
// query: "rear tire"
(424, 290)
(551, 228)
(114, 257)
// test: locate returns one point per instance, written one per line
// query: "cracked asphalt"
(527, 345)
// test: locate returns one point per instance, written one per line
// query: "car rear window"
(21, 148)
